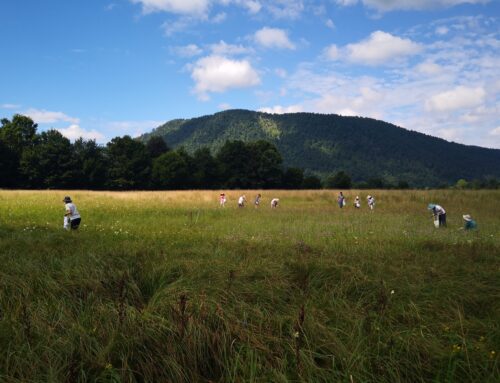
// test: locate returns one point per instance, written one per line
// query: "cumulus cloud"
(278, 109)
(460, 97)
(10, 106)
(392, 5)
(42, 116)
(218, 74)
(74, 132)
(273, 38)
(196, 7)
(189, 50)
(495, 132)
(224, 49)
(331, 52)
(381, 47)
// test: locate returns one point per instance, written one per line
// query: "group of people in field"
(242, 200)
(439, 217)
(342, 202)
(72, 218)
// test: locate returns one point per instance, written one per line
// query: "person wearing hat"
(371, 202)
(439, 214)
(274, 203)
(469, 224)
(357, 202)
(72, 218)
(222, 199)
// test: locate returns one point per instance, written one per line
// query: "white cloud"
(219, 18)
(224, 49)
(42, 116)
(442, 30)
(392, 5)
(218, 74)
(252, 6)
(495, 132)
(278, 109)
(273, 38)
(193, 7)
(285, 9)
(189, 50)
(329, 23)
(73, 132)
(429, 67)
(9, 106)
(280, 72)
(331, 52)
(460, 97)
(380, 48)
(224, 106)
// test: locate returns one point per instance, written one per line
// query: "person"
(469, 224)
(371, 202)
(341, 200)
(438, 213)
(222, 199)
(257, 200)
(241, 201)
(72, 218)
(357, 202)
(274, 203)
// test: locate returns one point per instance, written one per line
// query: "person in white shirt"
(357, 202)
(72, 218)
(371, 202)
(439, 214)
(241, 201)
(274, 203)
(222, 199)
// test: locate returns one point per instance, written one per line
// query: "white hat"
(467, 217)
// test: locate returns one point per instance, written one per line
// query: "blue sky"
(105, 68)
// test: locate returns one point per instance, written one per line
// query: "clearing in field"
(170, 287)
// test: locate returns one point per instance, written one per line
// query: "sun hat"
(431, 206)
(467, 217)
(67, 199)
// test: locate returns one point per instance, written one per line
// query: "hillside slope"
(322, 144)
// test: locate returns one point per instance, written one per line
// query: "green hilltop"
(323, 144)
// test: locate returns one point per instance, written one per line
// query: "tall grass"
(168, 287)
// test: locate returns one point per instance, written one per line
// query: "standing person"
(371, 202)
(257, 200)
(357, 202)
(438, 213)
(72, 218)
(274, 203)
(222, 199)
(469, 224)
(341, 200)
(241, 201)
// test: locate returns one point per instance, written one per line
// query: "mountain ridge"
(323, 144)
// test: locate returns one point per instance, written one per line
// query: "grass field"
(168, 287)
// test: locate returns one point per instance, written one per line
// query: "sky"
(105, 68)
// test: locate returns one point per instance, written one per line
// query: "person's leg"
(442, 219)
(75, 223)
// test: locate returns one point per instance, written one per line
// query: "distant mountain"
(323, 144)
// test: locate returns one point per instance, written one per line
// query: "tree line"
(48, 160)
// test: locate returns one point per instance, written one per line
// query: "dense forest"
(323, 145)
(48, 160)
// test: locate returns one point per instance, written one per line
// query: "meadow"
(168, 287)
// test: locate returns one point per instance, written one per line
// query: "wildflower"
(109, 366)
(456, 348)
(482, 339)
(296, 334)
(446, 329)
(392, 292)
(492, 354)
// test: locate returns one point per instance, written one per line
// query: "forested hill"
(323, 144)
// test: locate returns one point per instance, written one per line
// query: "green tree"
(293, 178)
(235, 160)
(89, 164)
(156, 146)
(265, 166)
(462, 184)
(206, 170)
(129, 164)
(341, 180)
(48, 164)
(311, 182)
(171, 170)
